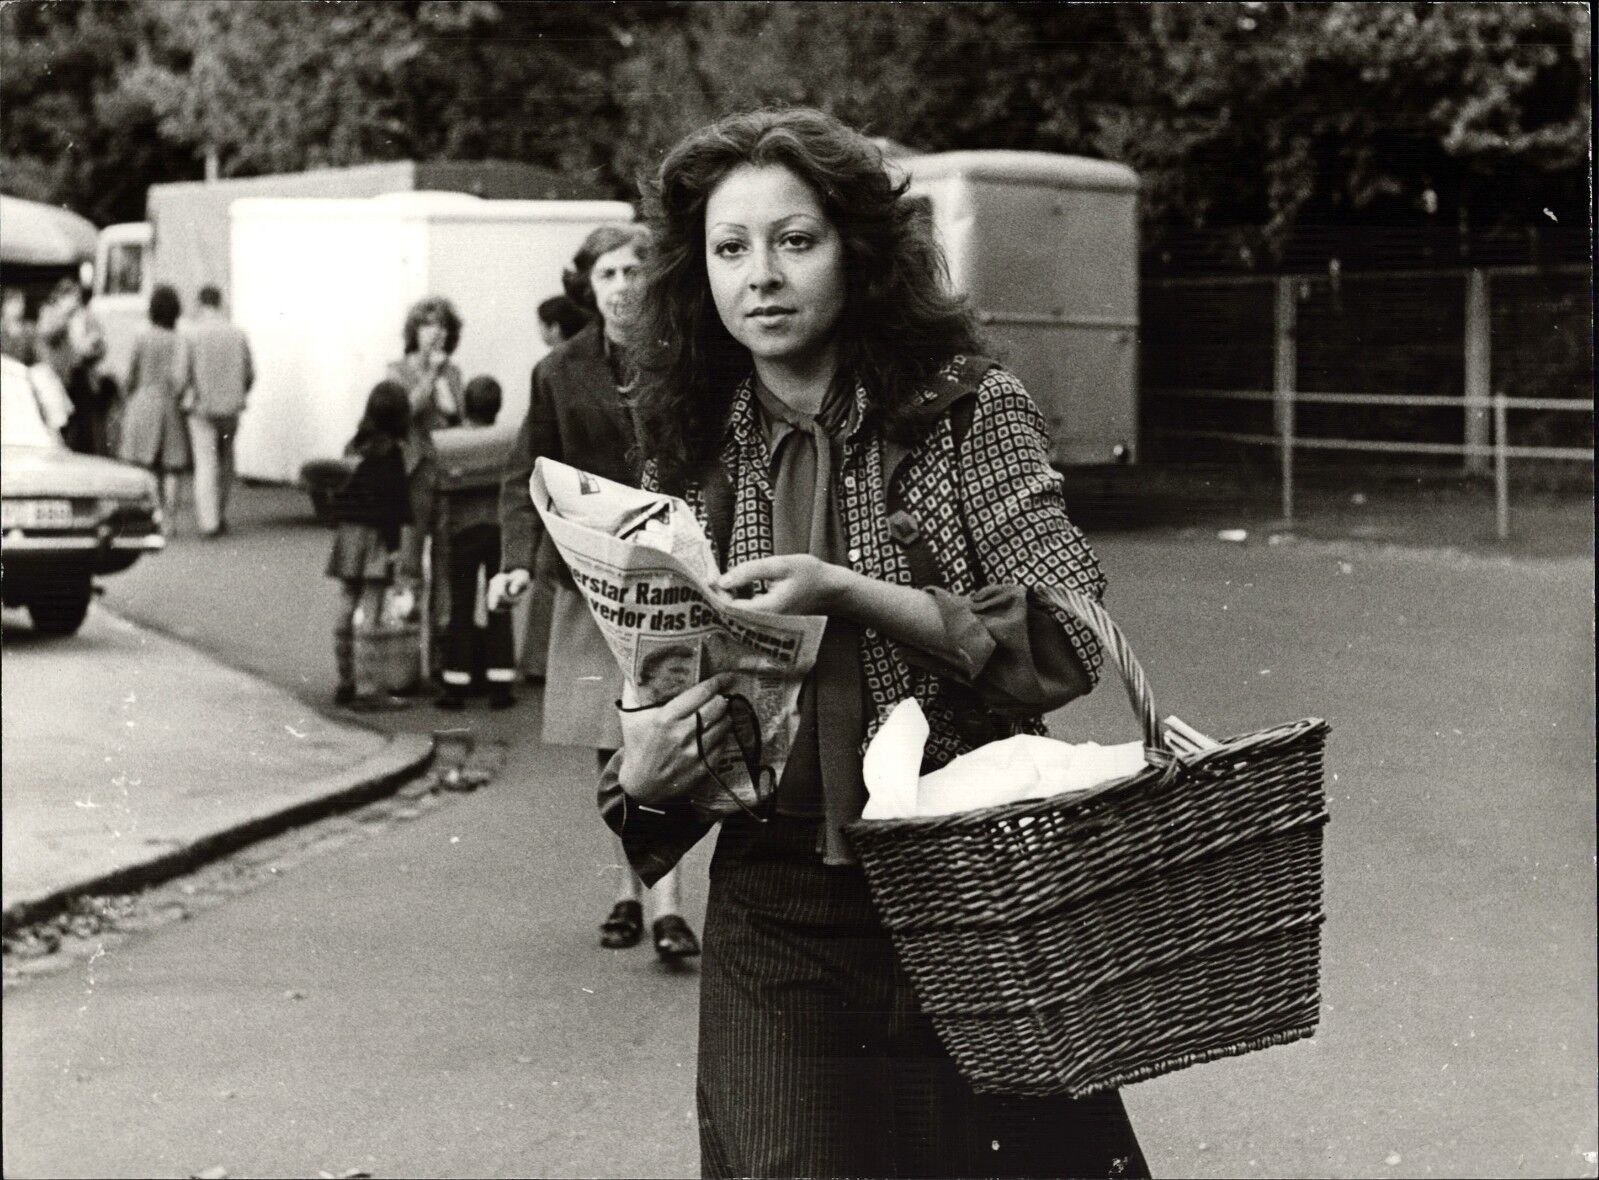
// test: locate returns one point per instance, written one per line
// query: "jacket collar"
(744, 424)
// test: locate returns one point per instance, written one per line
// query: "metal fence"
(1488, 366)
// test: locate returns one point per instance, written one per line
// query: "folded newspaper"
(644, 566)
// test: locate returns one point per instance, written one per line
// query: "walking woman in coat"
(153, 431)
(576, 415)
(802, 365)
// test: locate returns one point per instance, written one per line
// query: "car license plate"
(36, 514)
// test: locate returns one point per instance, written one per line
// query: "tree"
(1257, 118)
(1271, 115)
(278, 87)
(1250, 116)
(70, 133)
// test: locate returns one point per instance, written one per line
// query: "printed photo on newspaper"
(644, 566)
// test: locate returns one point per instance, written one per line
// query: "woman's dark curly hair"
(900, 321)
(437, 310)
(575, 279)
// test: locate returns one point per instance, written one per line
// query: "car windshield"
(21, 423)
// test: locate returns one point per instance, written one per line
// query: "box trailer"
(184, 240)
(321, 287)
(1046, 248)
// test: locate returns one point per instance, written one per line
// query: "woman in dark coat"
(576, 415)
(802, 365)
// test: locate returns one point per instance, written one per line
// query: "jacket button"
(854, 554)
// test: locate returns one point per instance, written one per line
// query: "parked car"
(65, 518)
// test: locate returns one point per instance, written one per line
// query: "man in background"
(219, 384)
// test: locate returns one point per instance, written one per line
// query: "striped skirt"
(814, 1059)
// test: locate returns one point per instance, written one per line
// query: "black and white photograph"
(1134, 466)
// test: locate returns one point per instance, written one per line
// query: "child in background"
(372, 512)
(560, 319)
(477, 638)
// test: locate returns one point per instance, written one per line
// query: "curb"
(404, 758)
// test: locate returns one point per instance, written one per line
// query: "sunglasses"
(746, 727)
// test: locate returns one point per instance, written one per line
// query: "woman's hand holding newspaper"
(799, 584)
(660, 752)
(796, 584)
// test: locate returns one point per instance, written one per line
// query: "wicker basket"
(1069, 945)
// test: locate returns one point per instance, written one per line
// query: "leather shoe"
(674, 939)
(624, 926)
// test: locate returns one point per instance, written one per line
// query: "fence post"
(1285, 370)
(1501, 468)
(1478, 371)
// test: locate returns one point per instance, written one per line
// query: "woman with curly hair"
(430, 378)
(813, 390)
(576, 415)
(432, 384)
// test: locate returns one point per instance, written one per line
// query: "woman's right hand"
(660, 754)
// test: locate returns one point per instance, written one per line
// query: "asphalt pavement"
(431, 1000)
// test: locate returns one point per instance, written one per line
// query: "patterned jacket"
(988, 511)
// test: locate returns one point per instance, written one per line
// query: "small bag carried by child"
(398, 641)
(388, 649)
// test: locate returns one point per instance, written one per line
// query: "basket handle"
(1114, 644)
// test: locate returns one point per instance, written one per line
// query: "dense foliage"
(1258, 117)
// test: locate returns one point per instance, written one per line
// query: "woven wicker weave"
(1073, 944)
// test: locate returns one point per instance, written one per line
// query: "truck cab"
(123, 280)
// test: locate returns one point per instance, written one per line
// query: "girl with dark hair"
(154, 434)
(812, 389)
(372, 511)
(576, 415)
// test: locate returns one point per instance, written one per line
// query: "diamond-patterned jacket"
(988, 511)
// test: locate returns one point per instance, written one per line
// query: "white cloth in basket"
(1006, 771)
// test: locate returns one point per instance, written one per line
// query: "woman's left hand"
(796, 584)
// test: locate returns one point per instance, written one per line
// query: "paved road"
(457, 1018)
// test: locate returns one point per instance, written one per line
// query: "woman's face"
(550, 333)
(614, 279)
(775, 263)
(430, 336)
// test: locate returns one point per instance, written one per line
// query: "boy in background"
(476, 639)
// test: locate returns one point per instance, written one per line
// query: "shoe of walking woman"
(623, 927)
(674, 939)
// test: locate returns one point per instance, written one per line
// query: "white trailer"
(321, 286)
(1046, 247)
(186, 240)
